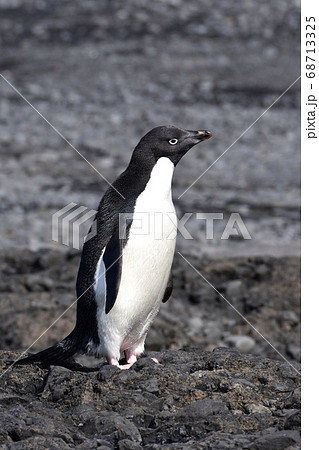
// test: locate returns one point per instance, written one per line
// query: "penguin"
(125, 268)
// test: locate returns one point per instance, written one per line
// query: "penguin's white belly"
(146, 263)
(146, 267)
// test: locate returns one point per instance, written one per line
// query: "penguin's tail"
(59, 354)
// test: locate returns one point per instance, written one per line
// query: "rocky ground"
(205, 398)
(104, 74)
(193, 400)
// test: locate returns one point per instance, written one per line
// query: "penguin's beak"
(202, 135)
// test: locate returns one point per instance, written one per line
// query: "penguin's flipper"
(58, 354)
(112, 260)
(169, 288)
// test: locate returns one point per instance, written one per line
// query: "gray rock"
(291, 317)
(276, 440)
(127, 444)
(105, 423)
(106, 371)
(279, 387)
(294, 350)
(262, 271)
(234, 289)
(242, 343)
(201, 409)
(257, 409)
(293, 400)
(151, 385)
(293, 421)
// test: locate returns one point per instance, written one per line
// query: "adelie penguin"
(124, 276)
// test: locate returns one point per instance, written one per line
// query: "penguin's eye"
(173, 141)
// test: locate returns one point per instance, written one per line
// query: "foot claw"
(130, 361)
(156, 361)
(125, 366)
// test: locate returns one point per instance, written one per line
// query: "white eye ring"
(173, 141)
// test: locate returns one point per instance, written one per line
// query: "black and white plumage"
(125, 275)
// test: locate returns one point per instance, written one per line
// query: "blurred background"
(105, 73)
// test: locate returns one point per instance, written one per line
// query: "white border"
(310, 247)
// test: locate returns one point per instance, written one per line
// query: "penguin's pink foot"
(130, 361)
(125, 366)
(114, 362)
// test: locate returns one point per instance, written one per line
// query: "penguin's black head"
(169, 142)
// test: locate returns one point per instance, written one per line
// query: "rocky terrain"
(206, 398)
(193, 400)
(103, 74)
